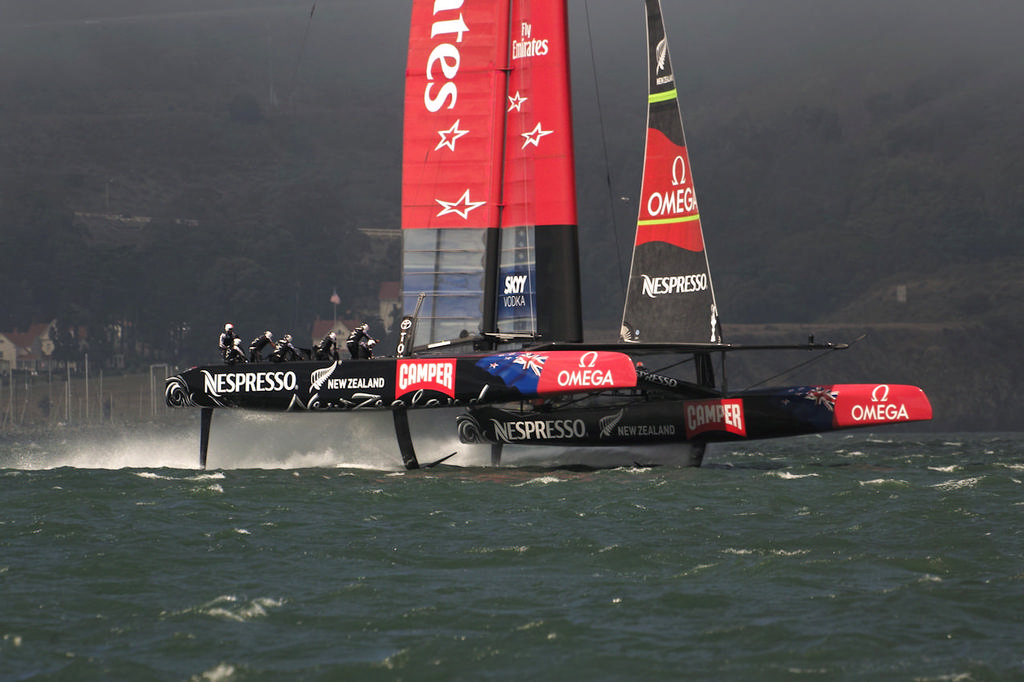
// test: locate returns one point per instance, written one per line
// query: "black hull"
(645, 420)
(579, 398)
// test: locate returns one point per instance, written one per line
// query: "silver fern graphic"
(661, 51)
(318, 377)
(609, 423)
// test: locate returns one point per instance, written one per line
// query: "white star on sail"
(449, 136)
(516, 101)
(462, 206)
(533, 137)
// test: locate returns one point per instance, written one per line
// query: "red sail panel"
(668, 207)
(538, 274)
(871, 404)
(539, 172)
(455, 85)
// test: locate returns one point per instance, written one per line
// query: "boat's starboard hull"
(771, 413)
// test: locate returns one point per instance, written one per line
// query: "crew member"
(328, 348)
(366, 348)
(357, 342)
(234, 355)
(227, 340)
(284, 350)
(258, 344)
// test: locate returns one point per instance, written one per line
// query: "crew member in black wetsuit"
(234, 355)
(356, 342)
(284, 351)
(258, 344)
(328, 348)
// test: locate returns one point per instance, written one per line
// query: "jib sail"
(670, 296)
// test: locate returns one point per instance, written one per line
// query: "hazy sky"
(134, 61)
(727, 41)
(744, 51)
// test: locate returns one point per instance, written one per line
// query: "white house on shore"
(30, 350)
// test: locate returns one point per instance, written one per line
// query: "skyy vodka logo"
(514, 293)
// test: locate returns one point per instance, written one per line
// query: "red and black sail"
(488, 189)
(670, 297)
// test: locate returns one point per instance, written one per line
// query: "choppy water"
(870, 557)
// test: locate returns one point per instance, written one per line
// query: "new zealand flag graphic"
(518, 370)
(811, 404)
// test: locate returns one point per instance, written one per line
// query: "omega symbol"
(678, 171)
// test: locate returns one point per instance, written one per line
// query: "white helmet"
(333, 335)
(287, 337)
(228, 327)
(268, 334)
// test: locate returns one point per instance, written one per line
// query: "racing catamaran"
(491, 279)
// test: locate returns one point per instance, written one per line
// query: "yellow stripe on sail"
(661, 96)
(666, 221)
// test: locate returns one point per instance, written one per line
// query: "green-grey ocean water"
(865, 557)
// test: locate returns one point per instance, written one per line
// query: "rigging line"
(604, 147)
(298, 60)
(673, 365)
(816, 358)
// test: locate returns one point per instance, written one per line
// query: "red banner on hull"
(721, 415)
(571, 371)
(868, 404)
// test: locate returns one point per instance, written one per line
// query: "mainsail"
(488, 190)
(670, 297)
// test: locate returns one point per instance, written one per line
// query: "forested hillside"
(855, 164)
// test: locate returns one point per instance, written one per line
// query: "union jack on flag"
(820, 395)
(518, 370)
(531, 361)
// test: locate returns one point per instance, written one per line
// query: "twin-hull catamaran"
(491, 271)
